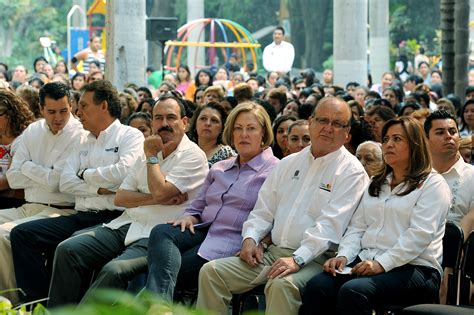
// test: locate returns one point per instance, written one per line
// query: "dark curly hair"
(193, 135)
(17, 110)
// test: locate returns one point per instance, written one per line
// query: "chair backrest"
(467, 270)
(452, 245)
(452, 252)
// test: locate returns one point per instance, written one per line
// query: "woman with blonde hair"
(211, 227)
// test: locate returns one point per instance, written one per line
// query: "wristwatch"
(152, 160)
(298, 260)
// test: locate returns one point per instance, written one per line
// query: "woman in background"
(206, 128)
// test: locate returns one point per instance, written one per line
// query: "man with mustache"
(92, 173)
(157, 189)
(443, 137)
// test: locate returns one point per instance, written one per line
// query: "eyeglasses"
(334, 123)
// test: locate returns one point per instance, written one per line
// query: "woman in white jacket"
(391, 252)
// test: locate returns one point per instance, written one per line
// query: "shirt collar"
(109, 130)
(457, 167)
(327, 157)
(183, 145)
(256, 163)
(68, 126)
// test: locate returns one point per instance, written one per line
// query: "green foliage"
(416, 20)
(113, 302)
(28, 20)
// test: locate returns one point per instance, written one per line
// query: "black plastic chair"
(239, 300)
(452, 251)
(467, 271)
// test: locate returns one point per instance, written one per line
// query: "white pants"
(9, 218)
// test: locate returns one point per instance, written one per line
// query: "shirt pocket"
(319, 200)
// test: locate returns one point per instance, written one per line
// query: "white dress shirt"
(460, 178)
(39, 161)
(185, 168)
(307, 203)
(278, 58)
(399, 230)
(107, 158)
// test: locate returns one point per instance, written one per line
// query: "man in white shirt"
(443, 137)
(305, 205)
(92, 173)
(36, 167)
(279, 55)
(157, 190)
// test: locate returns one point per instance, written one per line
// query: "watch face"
(152, 160)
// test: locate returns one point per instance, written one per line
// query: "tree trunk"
(125, 41)
(379, 58)
(447, 44)
(461, 47)
(314, 39)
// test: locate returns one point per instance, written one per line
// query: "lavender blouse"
(227, 196)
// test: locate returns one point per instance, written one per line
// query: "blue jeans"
(172, 259)
(346, 294)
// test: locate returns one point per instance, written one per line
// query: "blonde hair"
(262, 117)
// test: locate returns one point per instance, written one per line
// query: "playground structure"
(228, 36)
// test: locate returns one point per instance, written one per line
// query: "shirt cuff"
(305, 253)
(26, 167)
(87, 175)
(251, 235)
(386, 261)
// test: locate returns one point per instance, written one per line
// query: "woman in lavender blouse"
(211, 227)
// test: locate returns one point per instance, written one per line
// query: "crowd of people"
(334, 198)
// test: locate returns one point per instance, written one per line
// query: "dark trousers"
(346, 294)
(173, 258)
(100, 250)
(33, 244)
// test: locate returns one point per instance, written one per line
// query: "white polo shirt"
(460, 178)
(307, 203)
(185, 168)
(108, 159)
(39, 161)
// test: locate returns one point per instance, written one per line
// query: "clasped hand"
(252, 254)
(363, 268)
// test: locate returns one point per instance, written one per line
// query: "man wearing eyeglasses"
(305, 205)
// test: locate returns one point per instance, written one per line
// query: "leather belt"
(56, 206)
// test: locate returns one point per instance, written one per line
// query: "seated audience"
(38, 173)
(321, 185)
(298, 136)
(280, 132)
(211, 227)
(207, 126)
(92, 173)
(157, 189)
(141, 121)
(392, 250)
(369, 153)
